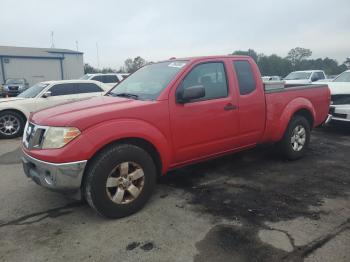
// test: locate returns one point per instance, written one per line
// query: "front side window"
(211, 76)
(245, 76)
(64, 89)
(149, 81)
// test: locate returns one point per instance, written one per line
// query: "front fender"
(105, 133)
(289, 110)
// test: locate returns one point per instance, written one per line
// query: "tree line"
(297, 59)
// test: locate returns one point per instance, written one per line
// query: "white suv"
(109, 79)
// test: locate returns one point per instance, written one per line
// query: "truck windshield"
(344, 77)
(33, 91)
(298, 76)
(85, 77)
(148, 82)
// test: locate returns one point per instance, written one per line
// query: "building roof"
(16, 51)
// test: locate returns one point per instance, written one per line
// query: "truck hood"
(296, 82)
(339, 88)
(86, 113)
(12, 99)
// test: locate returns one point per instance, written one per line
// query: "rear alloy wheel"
(296, 138)
(11, 124)
(119, 180)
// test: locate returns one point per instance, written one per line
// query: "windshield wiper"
(127, 95)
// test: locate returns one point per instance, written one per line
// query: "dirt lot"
(252, 206)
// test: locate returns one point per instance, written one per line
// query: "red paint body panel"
(182, 133)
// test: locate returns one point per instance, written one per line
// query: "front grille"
(340, 100)
(33, 136)
(13, 88)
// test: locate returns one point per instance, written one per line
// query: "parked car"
(340, 91)
(14, 86)
(304, 77)
(166, 115)
(271, 78)
(109, 79)
(15, 111)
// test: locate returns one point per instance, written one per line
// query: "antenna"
(52, 42)
(77, 45)
(97, 56)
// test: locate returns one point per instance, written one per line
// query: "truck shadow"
(257, 186)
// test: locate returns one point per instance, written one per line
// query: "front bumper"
(340, 113)
(62, 177)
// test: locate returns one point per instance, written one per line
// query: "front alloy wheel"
(11, 124)
(125, 183)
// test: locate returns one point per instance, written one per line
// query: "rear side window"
(245, 77)
(110, 79)
(88, 88)
(211, 76)
(64, 89)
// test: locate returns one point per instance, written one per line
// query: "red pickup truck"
(110, 149)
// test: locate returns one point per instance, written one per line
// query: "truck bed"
(278, 101)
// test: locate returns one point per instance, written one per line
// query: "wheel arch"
(300, 106)
(23, 115)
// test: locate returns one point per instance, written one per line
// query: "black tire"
(97, 173)
(285, 145)
(13, 115)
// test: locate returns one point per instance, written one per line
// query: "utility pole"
(97, 56)
(52, 42)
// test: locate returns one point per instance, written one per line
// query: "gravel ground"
(251, 206)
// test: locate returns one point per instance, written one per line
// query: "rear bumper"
(63, 177)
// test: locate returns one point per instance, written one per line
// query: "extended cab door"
(252, 109)
(208, 125)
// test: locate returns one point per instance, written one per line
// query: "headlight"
(57, 137)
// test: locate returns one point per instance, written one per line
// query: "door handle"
(230, 107)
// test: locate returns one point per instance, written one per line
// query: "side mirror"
(47, 94)
(190, 93)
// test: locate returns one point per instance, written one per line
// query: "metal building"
(39, 64)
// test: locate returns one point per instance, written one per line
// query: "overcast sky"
(160, 29)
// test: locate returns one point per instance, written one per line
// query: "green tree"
(296, 55)
(274, 65)
(131, 65)
(250, 52)
(88, 69)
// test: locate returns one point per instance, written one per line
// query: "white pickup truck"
(304, 77)
(15, 111)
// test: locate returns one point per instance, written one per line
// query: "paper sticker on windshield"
(177, 64)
